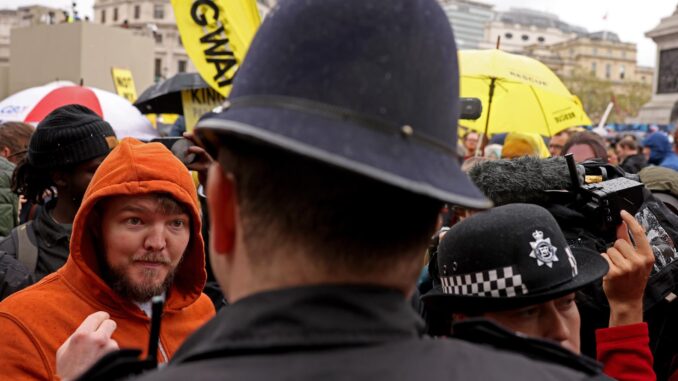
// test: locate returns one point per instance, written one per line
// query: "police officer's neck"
(286, 270)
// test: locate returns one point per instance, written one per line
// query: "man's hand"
(630, 267)
(202, 161)
(90, 342)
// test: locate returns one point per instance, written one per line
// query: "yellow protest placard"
(216, 35)
(197, 103)
(124, 84)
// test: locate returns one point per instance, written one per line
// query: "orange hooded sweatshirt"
(37, 320)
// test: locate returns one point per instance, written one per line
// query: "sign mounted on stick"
(124, 84)
(197, 103)
(216, 35)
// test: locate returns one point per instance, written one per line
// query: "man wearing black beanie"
(63, 154)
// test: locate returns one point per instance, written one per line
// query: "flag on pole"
(216, 35)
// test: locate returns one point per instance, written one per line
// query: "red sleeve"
(625, 352)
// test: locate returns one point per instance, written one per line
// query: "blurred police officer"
(334, 157)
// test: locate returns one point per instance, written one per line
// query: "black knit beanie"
(69, 135)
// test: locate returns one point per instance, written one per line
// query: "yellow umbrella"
(518, 93)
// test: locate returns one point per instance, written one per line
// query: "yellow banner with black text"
(216, 35)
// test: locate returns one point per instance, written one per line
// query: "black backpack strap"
(26, 250)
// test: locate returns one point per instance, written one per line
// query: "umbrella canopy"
(518, 93)
(32, 105)
(165, 97)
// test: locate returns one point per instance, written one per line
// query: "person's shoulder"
(204, 304)
(476, 357)
(202, 308)
(420, 358)
(39, 296)
(6, 169)
(671, 162)
(7, 243)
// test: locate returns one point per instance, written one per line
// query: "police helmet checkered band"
(501, 282)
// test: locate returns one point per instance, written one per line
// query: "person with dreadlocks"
(64, 152)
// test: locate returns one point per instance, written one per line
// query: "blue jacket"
(670, 161)
(659, 146)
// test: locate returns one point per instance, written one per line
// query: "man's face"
(647, 151)
(582, 152)
(556, 144)
(624, 152)
(143, 244)
(75, 181)
(557, 320)
(471, 142)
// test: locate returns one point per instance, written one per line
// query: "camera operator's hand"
(630, 267)
(90, 342)
(202, 161)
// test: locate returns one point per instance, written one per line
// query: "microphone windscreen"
(522, 180)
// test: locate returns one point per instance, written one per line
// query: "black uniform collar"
(305, 317)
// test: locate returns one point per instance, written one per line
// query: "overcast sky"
(629, 19)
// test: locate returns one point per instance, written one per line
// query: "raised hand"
(630, 267)
(90, 342)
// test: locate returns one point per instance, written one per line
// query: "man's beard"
(120, 282)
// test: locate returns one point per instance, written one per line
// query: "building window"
(181, 44)
(103, 16)
(137, 12)
(525, 37)
(508, 35)
(642, 78)
(608, 71)
(158, 69)
(595, 51)
(181, 66)
(571, 52)
(593, 67)
(622, 72)
(115, 14)
(158, 37)
(541, 39)
(158, 11)
(623, 54)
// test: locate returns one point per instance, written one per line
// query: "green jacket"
(9, 202)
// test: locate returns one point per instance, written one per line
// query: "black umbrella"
(165, 97)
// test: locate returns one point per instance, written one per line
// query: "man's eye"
(134, 221)
(528, 312)
(178, 223)
(567, 303)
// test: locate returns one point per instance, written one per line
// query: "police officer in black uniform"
(335, 153)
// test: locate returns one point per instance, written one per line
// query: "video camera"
(602, 191)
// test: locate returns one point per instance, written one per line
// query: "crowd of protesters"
(352, 233)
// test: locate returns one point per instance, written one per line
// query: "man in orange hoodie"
(136, 235)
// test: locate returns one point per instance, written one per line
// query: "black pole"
(156, 315)
(487, 119)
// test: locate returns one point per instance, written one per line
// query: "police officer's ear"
(222, 201)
